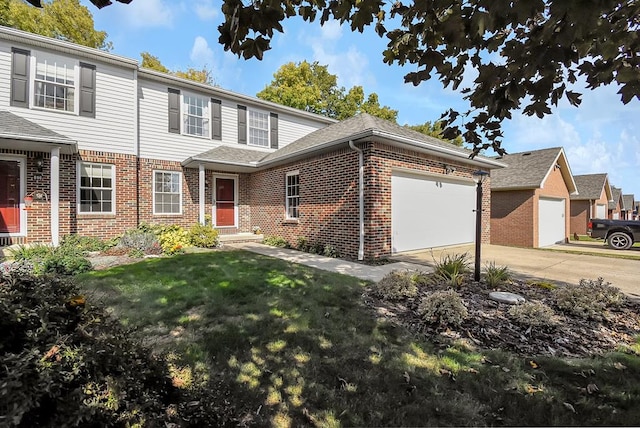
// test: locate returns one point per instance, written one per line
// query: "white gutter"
(361, 197)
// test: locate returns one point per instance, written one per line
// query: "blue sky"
(603, 135)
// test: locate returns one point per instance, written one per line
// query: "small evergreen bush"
(589, 299)
(275, 241)
(444, 308)
(533, 314)
(141, 240)
(397, 285)
(203, 236)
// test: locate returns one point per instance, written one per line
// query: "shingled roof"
(362, 127)
(528, 170)
(590, 186)
(616, 196)
(31, 135)
(629, 202)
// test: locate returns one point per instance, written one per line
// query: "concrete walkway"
(358, 270)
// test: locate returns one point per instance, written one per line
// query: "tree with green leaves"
(312, 88)
(61, 19)
(436, 130)
(153, 63)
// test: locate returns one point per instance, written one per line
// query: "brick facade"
(329, 197)
(580, 215)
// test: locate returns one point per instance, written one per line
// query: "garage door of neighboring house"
(428, 211)
(601, 211)
(551, 221)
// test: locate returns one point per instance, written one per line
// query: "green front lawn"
(290, 345)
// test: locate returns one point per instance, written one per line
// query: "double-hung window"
(167, 192)
(97, 191)
(195, 115)
(258, 128)
(54, 83)
(292, 189)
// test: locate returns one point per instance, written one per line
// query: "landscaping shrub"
(397, 285)
(444, 308)
(533, 314)
(66, 363)
(589, 299)
(330, 251)
(451, 269)
(203, 236)
(496, 275)
(83, 244)
(141, 240)
(173, 239)
(66, 259)
(275, 241)
(302, 244)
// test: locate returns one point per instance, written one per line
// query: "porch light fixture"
(39, 163)
(479, 177)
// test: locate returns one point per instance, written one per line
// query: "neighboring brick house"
(530, 199)
(592, 200)
(629, 204)
(103, 145)
(616, 204)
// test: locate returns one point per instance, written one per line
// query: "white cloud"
(205, 9)
(148, 14)
(331, 31)
(201, 54)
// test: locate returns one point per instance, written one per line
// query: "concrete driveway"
(557, 266)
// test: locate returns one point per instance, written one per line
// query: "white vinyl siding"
(167, 192)
(113, 129)
(96, 188)
(292, 195)
(258, 128)
(157, 143)
(195, 113)
(428, 211)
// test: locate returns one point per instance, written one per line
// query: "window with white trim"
(292, 201)
(54, 84)
(258, 128)
(195, 115)
(167, 192)
(97, 188)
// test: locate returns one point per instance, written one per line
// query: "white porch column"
(55, 196)
(201, 183)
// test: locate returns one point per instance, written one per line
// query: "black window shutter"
(174, 111)
(216, 119)
(87, 90)
(20, 78)
(242, 124)
(274, 130)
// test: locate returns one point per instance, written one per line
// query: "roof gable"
(530, 170)
(629, 202)
(591, 186)
(616, 198)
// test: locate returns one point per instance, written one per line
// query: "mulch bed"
(489, 326)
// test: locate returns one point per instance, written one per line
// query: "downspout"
(361, 197)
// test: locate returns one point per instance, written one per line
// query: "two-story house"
(90, 143)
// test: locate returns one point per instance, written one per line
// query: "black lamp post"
(478, 177)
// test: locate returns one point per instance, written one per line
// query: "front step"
(240, 237)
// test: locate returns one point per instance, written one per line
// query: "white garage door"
(601, 211)
(551, 221)
(430, 212)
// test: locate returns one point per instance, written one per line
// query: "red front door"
(9, 196)
(225, 202)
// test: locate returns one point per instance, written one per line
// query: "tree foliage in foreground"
(60, 19)
(312, 88)
(153, 63)
(526, 55)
